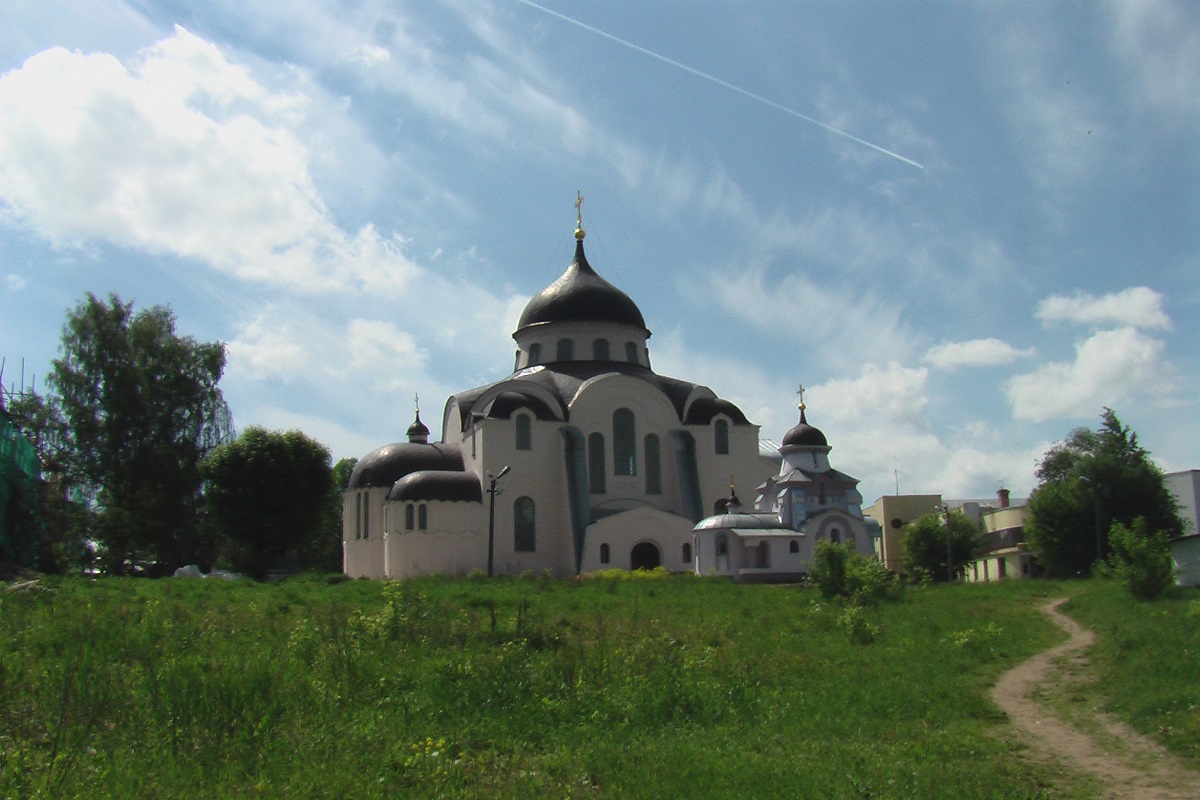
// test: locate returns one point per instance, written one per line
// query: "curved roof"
(804, 435)
(580, 295)
(739, 520)
(503, 405)
(703, 409)
(561, 381)
(388, 464)
(437, 485)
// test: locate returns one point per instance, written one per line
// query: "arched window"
(722, 545)
(631, 353)
(721, 437)
(358, 515)
(566, 350)
(535, 354)
(366, 515)
(410, 515)
(653, 465)
(600, 350)
(687, 552)
(604, 554)
(524, 525)
(524, 430)
(596, 471)
(624, 443)
(422, 517)
(793, 546)
(835, 536)
(764, 555)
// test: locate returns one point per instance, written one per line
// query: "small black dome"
(438, 485)
(804, 435)
(580, 295)
(417, 430)
(388, 464)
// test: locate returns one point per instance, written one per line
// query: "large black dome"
(580, 295)
(386, 465)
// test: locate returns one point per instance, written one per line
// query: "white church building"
(582, 459)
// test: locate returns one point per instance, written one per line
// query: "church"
(583, 459)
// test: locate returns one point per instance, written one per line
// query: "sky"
(965, 228)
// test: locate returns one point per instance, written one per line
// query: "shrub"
(1141, 558)
(839, 571)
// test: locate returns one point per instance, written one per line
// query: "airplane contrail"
(719, 82)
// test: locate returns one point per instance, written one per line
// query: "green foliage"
(267, 492)
(1147, 657)
(1088, 482)
(139, 407)
(1141, 559)
(925, 548)
(837, 570)
(507, 688)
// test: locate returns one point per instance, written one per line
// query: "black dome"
(388, 464)
(804, 435)
(438, 485)
(580, 295)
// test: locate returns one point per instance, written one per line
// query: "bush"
(1141, 559)
(839, 571)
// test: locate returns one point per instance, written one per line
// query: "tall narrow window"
(422, 517)
(721, 436)
(600, 350)
(687, 552)
(604, 554)
(410, 513)
(358, 515)
(524, 525)
(535, 354)
(596, 469)
(624, 443)
(566, 350)
(631, 353)
(524, 426)
(653, 465)
(366, 515)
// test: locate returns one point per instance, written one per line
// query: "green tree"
(925, 547)
(1087, 483)
(268, 493)
(324, 551)
(1141, 558)
(140, 407)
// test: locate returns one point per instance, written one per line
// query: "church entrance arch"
(644, 555)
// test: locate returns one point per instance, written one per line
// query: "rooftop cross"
(800, 392)
(579, 234)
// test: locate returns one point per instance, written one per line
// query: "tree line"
(143, 471)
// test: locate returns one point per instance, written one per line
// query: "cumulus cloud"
(180, 152)
(977, 352)
(1109, 366)
(1138, 307)
(14, 282)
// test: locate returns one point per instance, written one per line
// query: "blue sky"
(359, 197)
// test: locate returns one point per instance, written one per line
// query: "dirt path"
(1126, 764)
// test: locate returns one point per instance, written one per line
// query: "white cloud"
(1160, 45)
(181, 152)
(267, 348)
(1109, 366)
(977, 352)
(1138, 307)
(382, 348)
(14, 282)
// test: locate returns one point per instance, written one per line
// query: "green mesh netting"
(20, 480)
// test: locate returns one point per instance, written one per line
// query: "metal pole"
(492, 492)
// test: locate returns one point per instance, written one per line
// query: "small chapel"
(584, 459)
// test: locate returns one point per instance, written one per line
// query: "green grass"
(516, 688)
(1147, 659)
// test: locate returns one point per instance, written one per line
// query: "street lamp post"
(492, 492)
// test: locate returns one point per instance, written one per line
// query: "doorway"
(644, 555)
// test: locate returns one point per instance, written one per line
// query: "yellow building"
(893, 512)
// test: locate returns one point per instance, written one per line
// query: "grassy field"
(544, 688)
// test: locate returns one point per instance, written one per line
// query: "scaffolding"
(20, 495)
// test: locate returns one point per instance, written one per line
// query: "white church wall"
(451, 543)
(621, 532)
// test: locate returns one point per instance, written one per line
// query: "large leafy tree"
(268, 493)
(140, 407)
(925, 548)
(1086, 484)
